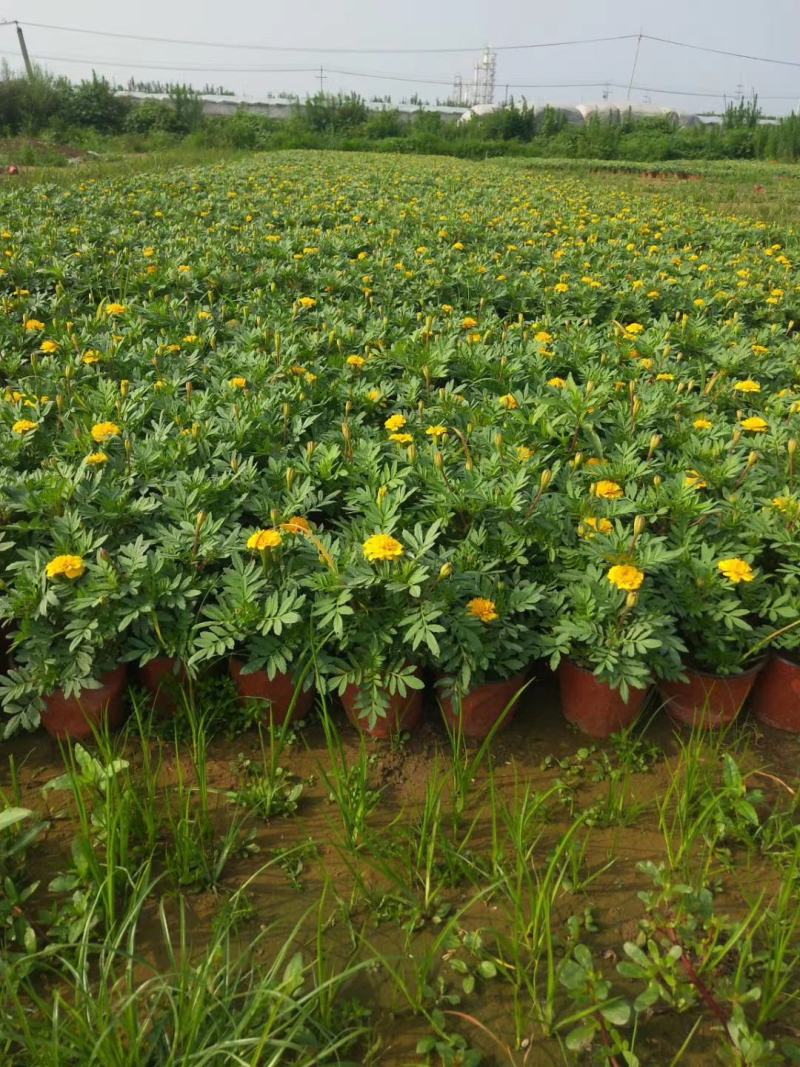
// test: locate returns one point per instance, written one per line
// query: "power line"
(412, 51)
(313, 48)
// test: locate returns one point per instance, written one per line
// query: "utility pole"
(26, 59)
(635, 63)
(321, 81)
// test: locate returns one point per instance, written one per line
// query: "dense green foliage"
(92, 108)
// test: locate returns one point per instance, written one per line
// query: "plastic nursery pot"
(165, 680)
(77, 717)
(278, 692)
(482, 707)
(402, 713)
(593, 706)
(705, 699)
(775, 699)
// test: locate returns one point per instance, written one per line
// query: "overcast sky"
(764, 29)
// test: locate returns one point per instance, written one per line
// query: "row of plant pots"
(708, 700)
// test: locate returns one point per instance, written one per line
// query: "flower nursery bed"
(312, 432)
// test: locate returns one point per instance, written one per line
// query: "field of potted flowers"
(362, 431)
(311, 441)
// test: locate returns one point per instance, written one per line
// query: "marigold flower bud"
(382, 491)
(657, 481)
(498, 442)
(411, 452)
(791, 446)
(639, 525)
(124, 385)
(445, 571)
(290, 476)
(631, 600)
(189, 390)
(545, 480)
(438, 460)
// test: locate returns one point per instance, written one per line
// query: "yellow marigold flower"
(148, 252)
(238, 382)
(309, 378)
(469, 323)
(759, 350)
(204, 315)
(382, 547)
(33, 325)
(458, 246)
(401, 438)
(695, 480)
(634, 328)
(447, 309)
(591, 525)
(374, 395)
(663, 377)
(483, 609)
(782, 503)
(647, 363)
(71, 567)
(90, 356)
(509, 402)
(355, 361)
(436, 431)
(395, 422)
(747, 386)
(736, 570)
(297, 370)
(297, 524)
(50, 346)
(115, 309)
(184, 268)
(96, 459)
(307, 302)
(542, 337)
(190, 339)
(104, 431)
(561, 287)
(524, 453)
(262, 540)
(608, 490)
(557, 383)
(755, 424)
(624, 576)
(24, 426)
(702, 424)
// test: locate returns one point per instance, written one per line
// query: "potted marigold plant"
(63, 611)
(382, 624)
(775, 699)
(612, 636)
(714, 592)
(258, 616)
(492, 633)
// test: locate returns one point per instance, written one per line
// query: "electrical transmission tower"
(484, 78)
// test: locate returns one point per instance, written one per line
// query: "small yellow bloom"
(115, 309)
(307, 302)
(50, 346)
(395, 422)
(184, 268)
(542, 337)
(355, 361)
(96, 459)
(782, 503)
(634, 328)
(71, 567)
(665, 377)
(24, 426)
(436, 431)
(297, 524)
(624, 576)
(702, 424)
(524, 453)
(401, 438)
(483, 609)
(695, 480)
(33, 325)
(238, 383)
(190, 339)
(509, 402)
(90, 357)
(561, 287)
(104, 431)
(608, 490)
(557, 383)
(747, 386)
(469, 323)
(262, 540)
(591, 526)
(736, 570)
(755, 424)
(374, 395)
(382, 547)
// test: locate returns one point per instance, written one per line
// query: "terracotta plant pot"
(77, 716)
(705, 699)
(402, 714)
(165, 680)
(775, 699)
(483, 706)
(593, 706)
(277, 693)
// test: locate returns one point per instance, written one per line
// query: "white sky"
(766, 29)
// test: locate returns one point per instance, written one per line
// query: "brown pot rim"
(786, 659)
(759, 663)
